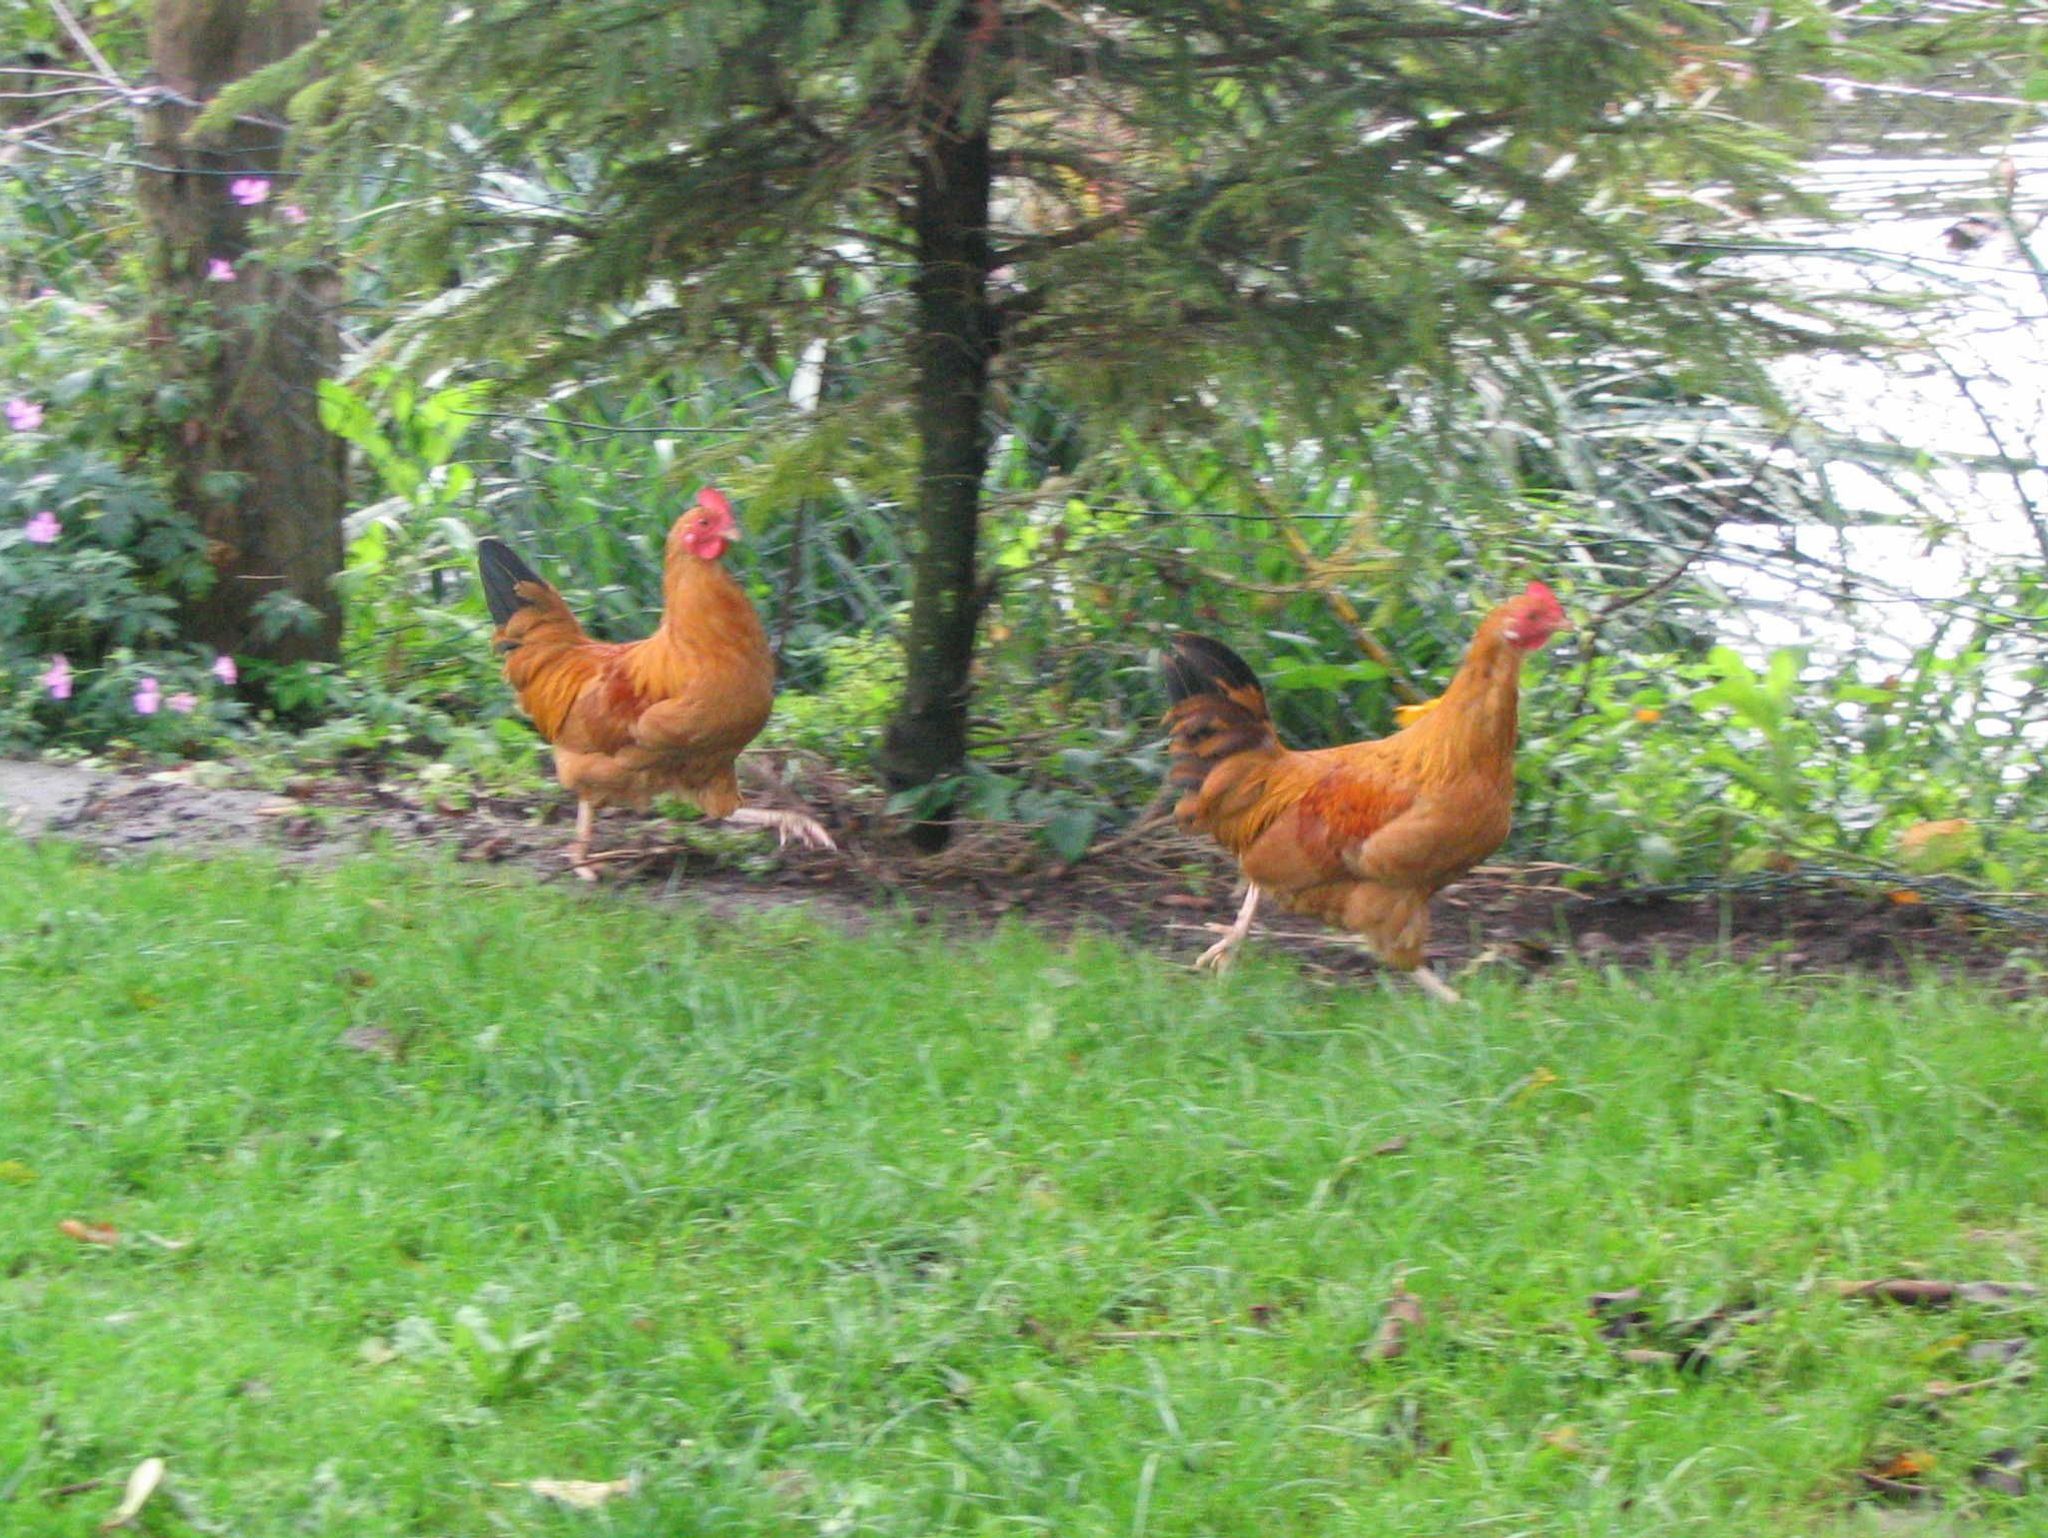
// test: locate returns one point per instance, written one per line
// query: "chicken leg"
(1436, 987)
(807, 831)
(1219, 955)
(579, 847)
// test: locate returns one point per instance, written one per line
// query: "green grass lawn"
(808, 1234)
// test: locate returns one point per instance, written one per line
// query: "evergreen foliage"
(1333, 210)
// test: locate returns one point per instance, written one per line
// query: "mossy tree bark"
(250, 460)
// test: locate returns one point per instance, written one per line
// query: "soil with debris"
(1156, 887)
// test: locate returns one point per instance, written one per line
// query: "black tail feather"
(502, 571)
(1197, 665)
(1218, 709)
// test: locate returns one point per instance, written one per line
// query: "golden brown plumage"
(664, 716)
(1360, 836)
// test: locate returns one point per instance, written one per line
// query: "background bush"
(1674, 737)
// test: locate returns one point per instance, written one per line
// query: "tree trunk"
(954, 344)
(250, 462)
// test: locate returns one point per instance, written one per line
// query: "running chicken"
(1360, 836)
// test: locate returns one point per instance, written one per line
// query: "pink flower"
(183, 704)
(58, 679)
(249, 190)
(42, 529)
(147, 697)
(224, 669)
(220, 270)
(24, 416)
(291, 213)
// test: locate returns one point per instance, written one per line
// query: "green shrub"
(94, 562)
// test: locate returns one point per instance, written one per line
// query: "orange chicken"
(1360, 836)
(664, 716)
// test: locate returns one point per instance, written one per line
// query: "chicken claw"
(807, 831)
(1436, 987)
(1220, 955)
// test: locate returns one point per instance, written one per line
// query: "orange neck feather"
(1475, 719)
(688, 585)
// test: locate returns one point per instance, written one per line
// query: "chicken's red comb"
(713, 500)
(1541, 593)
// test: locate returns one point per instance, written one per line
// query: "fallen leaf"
(1901, 1490)
(959, 1386)
(791, 1485)
(1604, 1303)
(372, 1039)
(1403, 1317)
(1617, 1312)
(1916, 1292)
(1566, 1440)
(1905, 897)
(1938, 1389)
(1906, 1465)
(1392, 1145)
(583, 1494)
(1994, 1292)
(149, 1473)
(1708, 1323)
(1908, 1290)
(89, 1233)
(14, 1173)
(2002, 1236)
(2004, 1471)
(1999, 1351)
(1643, 1357)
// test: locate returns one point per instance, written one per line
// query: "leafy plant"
(94, 563)
(414, 616)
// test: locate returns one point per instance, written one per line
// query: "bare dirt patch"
(1156, 888)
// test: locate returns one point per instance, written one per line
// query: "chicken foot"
(807, 831)
(1436, 987)
(1219, 955)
